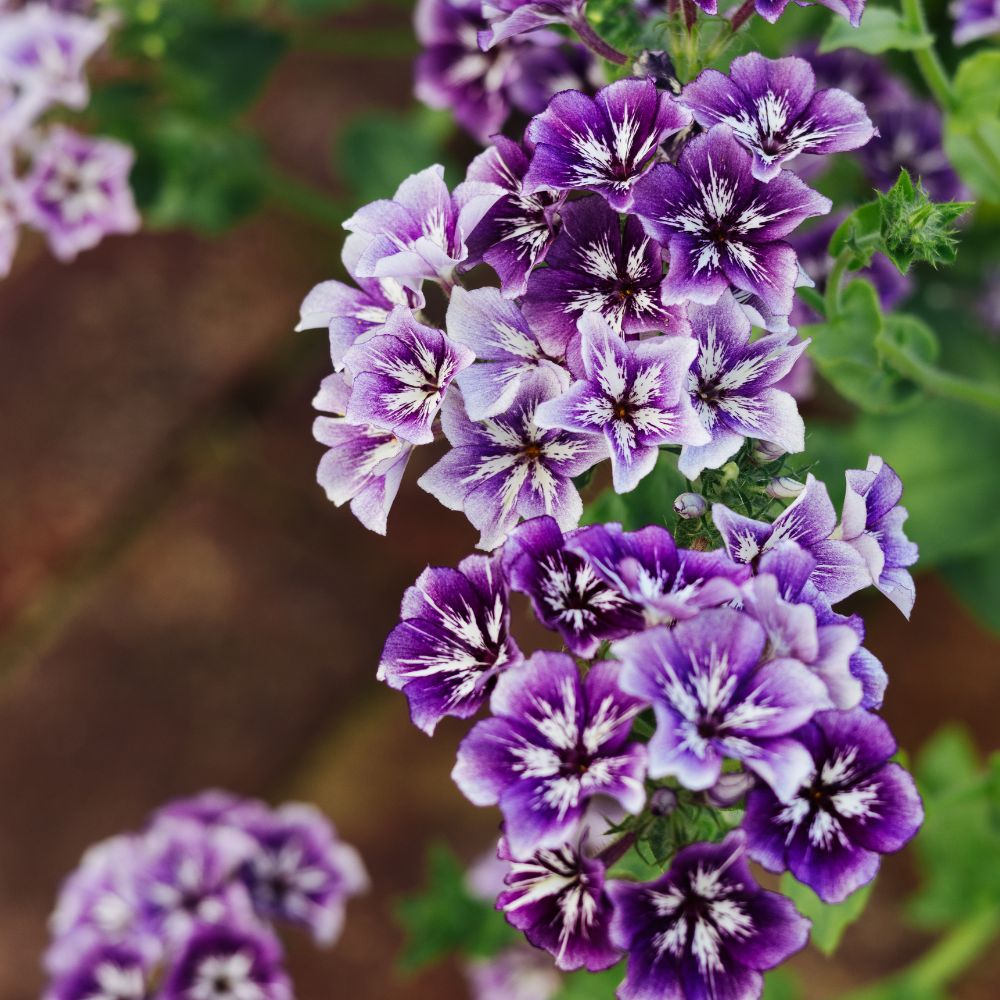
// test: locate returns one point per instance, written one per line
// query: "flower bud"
(663, 802)
(730, 472)
(658, 67)
(729, 789)
(690, 505)
(784, 488)
(765, 452)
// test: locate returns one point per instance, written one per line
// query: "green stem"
(927, 59)
(940, 383)
(833, 282)
(304, 199)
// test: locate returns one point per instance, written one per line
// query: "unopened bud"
(729, 789)
(766, 452)
(658, 67)
(784, 488)
(690, 505)
(663, 802)
(730, 471)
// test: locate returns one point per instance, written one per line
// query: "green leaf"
(829, 921)
(446, 918)
(585, 985)
(972, 131)
(651, 502)
(881, 30)
(911, 334)
(375, 152)
(861, 233)
(914, 228)
(781, 984)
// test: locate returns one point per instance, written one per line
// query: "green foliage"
(446, 918)
(972, 129)
(914, 228)
(881, 30)
(585, 985)
(651, 502)
(977, 583)
(829, 920)
(780, 984)
(860, 233)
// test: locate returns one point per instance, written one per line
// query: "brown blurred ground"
(180, 607)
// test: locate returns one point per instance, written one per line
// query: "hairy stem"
(833, 283)
(741, 15)
(595, 43)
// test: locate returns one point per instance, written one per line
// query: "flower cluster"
(70, 187)
(186, 909)
(637, 237)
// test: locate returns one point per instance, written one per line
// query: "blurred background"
(181, 608)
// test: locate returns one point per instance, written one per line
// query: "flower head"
(851, 10)
(855, 807)
(704, 929)
(508, 18)
(453, 641)
(633, 395)
(519, 972)
(602, 144)
(554, 742)
(106, 972)
(723, 227)
(775, 111)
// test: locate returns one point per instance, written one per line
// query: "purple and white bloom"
(229, 963)
(567, 592)
(775, 111)
(557, 897)
(351, 314)
(507, 18)
(400, 376)
(705, 929)
(856, 807)
(603, 143)
(666, 583)
(507, 467)
(515, 233)
(732, 387)
(519, 972)
(420, 233)
(975, 19)
(301, 871)
(213, 807)
(633, 395)
(453, 641)
(872, 523)
(723, 227)
(482, 88)
(77, 191)
(715, 697)
(851, 10)
(187, 877)
(553, 743)
(106, 972)
(595, 266)
(362, 465)
(810, 520)
(504, 343)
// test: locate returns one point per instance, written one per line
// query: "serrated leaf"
(881, 30)
(829, 920)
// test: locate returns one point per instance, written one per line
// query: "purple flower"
(519, 972)
(852, 10)
(603, 144)
(633, 395)
(301, 872)
(187, 877)
(872, 523)
(229, 963)
(721, 226)
(106, 972)
(867, 77)
(400, 377)
(553, 743)
(481, 88)
(715, 698)
(975, 19)
(515, 233)
(704, 929)
(595, 266)
(77, 191)
(507, 467)
(567, 592)
(453, 641)
(421, 232)
(212, 808)
(510, 355)
(732, 386)
(856, 807)
(646, 567)
(351, 314)
(557, 898)
(809, 520)
(774, 110)
(362, 465)
(507, 18)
